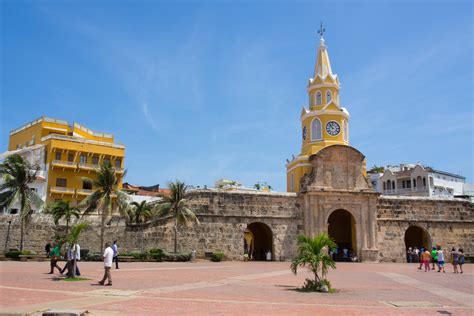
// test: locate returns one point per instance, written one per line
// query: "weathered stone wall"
(449, 223)
(224, 216)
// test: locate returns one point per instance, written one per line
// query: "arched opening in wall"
(258, 242)
(342, 228)
(417, 237)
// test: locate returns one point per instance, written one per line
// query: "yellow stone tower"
(323, 123)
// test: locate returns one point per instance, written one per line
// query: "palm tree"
(141, 213)
(17, 175)
(62, 209)
(102, 199)
(313, 253)
(176, 205)
(72, 240)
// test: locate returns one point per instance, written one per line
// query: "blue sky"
(205, 90)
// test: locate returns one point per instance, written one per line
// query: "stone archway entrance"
(258, 240)
(416, 236)
(342, 228)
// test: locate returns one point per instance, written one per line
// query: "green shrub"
(137, 255)
(93, 256)
(13, 255)
(312, 286)
(217, 256)
(157, 254)
(180, 256)
(84, 253)
(155, 250)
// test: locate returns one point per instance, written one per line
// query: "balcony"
(119, 170)
(406, 191)
(84, 192)
(87, 166)
(62, 190)
(64, 164)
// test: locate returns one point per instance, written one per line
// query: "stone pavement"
(236, 288)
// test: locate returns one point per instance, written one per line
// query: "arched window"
(346, 130)
(424, 181)
(384, 187)
(318, 98)
(328, 96)
(393, 185)
(316, 131)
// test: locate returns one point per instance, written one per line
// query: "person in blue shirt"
(115, 249)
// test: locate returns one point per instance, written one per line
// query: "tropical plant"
(63, 209)
(141, 213)
(176, 205)
(72, 238)
(313, 253)
(102, 199)
(376, 169)
(17, 174)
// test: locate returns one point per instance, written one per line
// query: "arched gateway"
(342, 228)
(416, 236)
(258, 240)
(338, 199)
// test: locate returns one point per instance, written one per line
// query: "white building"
(35, 155)
(417, 180)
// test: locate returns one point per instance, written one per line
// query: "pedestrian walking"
(460, 258)
(47, 249)
(115, 249)
(434, 257)
(425, 259)
(54, 255)
(440, 260)
(454, 259)
(108, 258)
(409, 255)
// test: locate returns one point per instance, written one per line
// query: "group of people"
(436, 257)
(73, 255)
(345, 255)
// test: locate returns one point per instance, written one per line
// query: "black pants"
(69, 266)
(116, 262)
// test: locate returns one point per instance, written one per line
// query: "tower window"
(292, 182)
(328, 96)
(346, 131)
(316, 131)
(318, 98)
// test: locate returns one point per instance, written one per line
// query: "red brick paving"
(234, 288)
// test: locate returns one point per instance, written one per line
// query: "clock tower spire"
(324, 122)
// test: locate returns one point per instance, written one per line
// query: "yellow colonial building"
(323, 123)
(66, 153)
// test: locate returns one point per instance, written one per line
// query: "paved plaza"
(236, 288)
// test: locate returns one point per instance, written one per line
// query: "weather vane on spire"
(321, 30)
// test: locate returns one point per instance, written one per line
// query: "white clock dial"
(333, 128)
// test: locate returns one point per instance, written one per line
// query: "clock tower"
(324, 122)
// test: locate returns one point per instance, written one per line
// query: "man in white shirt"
(108, 257)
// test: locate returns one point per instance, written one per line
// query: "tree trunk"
(102, 228)
(67, 227)
(142, 237)
(175, 234)
(21, 233)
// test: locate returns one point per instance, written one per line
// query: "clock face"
(333, 128)
(305, 133)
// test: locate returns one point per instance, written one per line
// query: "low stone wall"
(448, 222)
(223, 217)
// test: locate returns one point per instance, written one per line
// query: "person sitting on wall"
(345, 254)
(353, 256)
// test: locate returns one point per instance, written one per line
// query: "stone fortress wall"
(224, 216)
